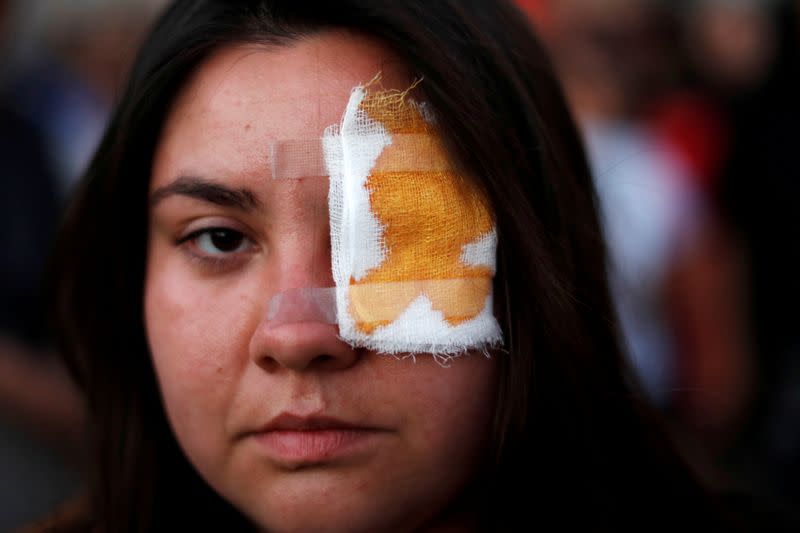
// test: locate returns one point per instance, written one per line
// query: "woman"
(208, 412)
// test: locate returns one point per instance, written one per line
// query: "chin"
(314, 505)
(299, 516)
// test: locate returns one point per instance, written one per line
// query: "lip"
(294, 441)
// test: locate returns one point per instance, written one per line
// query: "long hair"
(573, 441)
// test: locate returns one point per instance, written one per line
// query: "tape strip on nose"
(379, 305)
(307, 304)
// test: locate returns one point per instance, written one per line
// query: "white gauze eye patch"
(413, 243)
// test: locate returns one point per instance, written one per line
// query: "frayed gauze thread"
(445, 360)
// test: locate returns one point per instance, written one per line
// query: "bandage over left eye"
(413, 242)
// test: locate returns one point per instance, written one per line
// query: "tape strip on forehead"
(305, 158)
(295, 159)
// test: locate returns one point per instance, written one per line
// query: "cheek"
(198, 351)
(450, 410)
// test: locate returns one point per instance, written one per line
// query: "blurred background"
(687, 108)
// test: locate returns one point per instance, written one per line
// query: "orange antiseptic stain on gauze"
(428, 216)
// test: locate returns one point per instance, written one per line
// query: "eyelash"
(218, 262)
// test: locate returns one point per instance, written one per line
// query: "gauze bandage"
(413, 242)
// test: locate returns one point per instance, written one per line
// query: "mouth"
(294, 442)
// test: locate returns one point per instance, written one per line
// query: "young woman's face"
(294, 427)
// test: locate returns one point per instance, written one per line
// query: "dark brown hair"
(574, 443)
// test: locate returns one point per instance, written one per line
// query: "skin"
(224, 371)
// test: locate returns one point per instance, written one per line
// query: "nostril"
(323, 360)
(268, 363)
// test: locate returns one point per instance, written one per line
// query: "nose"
(301, 251)
(301, 347)
(301, 334)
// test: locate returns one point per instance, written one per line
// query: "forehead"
(246, 96)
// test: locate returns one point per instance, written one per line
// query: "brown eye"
(219, 241)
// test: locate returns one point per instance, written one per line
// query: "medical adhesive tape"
(305, 158)
(375, 303)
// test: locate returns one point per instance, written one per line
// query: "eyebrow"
(207, 191)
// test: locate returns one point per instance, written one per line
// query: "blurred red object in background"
(538, 11)
(696, 128)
